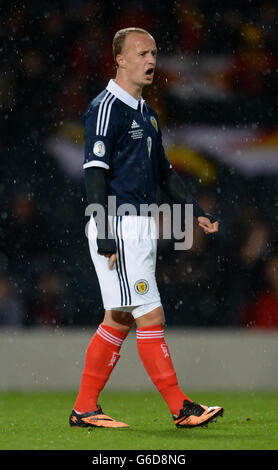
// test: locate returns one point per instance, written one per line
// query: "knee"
(155, 317)
(123, 321)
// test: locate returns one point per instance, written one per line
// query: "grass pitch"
(39, 421)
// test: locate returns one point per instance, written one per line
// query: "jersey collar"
(123, 95)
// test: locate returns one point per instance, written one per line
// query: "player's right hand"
(112, 261)
(112, 258)
(106, 246)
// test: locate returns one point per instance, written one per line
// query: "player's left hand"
(207, 225)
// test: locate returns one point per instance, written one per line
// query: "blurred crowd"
(54, 58)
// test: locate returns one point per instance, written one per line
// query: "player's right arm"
(96, 193)
(99, 135)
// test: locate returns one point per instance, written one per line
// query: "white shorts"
(131, 283)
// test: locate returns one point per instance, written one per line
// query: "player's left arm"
(177, 191)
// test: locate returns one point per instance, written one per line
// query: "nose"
(151, 60)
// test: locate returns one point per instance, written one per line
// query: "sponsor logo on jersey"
(99, 148)
(134, 124)
(154, 123)
(141, 286)
(136, 132)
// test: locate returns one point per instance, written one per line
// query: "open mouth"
(149, 71)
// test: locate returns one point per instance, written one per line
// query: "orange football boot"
(94, 419)
(192, 414)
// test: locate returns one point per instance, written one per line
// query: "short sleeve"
(99, 133)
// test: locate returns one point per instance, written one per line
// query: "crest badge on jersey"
(99, 148)
(141, 286)
(154, 123)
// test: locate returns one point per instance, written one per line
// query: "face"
(138, 58)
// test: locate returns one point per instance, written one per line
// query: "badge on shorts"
(141, 286)
(99, 149)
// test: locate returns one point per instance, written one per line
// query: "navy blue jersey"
(123, 136)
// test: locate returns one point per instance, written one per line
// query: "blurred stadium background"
(216, 95)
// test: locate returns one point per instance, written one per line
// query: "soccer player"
(124, 158)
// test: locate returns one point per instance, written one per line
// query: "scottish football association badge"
(141, 286)
(154, 123)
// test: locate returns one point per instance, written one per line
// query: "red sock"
(101, 357)
(156, 359)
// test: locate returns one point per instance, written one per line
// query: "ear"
(120, 61)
